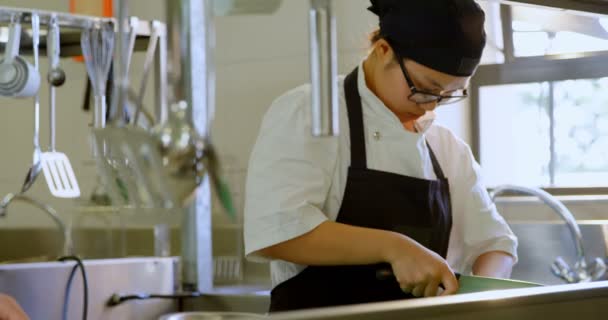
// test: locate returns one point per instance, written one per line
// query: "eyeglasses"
(423, 97)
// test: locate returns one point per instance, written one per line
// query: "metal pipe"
(191, 80)
(68, 247)
(323, 69)
(554, 204)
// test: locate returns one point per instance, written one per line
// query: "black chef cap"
(445, 35)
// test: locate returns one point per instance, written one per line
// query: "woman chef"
(395, 191)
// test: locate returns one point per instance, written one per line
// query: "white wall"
(258, 58)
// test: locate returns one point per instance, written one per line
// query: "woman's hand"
(419, 270)
(10, 310)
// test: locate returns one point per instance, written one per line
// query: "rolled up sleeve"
(485, 230)
(289, 176)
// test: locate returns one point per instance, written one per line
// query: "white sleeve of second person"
(485, 229)
(289, 176)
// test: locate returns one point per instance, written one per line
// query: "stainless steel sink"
(540, 243)
(212, 316)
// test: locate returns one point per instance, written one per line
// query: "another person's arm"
(10, 309)
(495, 264)
(333, 243)
(490, 245)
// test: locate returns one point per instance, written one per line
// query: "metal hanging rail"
(71, 25)
(64, 19)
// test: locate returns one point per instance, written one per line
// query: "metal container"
(212, 316)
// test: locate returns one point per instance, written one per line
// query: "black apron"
(414, 207)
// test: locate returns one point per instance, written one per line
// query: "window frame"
(550, 68)
(521, 70)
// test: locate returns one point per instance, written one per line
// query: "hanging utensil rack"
(71, 26)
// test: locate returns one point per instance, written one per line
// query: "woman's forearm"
(496, 264)
(416, 269)
(333, 243)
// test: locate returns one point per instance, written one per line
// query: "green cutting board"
(471, 284)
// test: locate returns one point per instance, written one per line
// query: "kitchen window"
(552, 133)
(541, 117)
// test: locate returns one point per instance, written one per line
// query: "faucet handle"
(562, 270)
(598, 269)
(581, 272)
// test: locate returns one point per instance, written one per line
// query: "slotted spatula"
(56, 166)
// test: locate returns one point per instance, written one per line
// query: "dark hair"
(375, 36)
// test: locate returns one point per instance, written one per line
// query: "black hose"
(68, 288)
(85, 286)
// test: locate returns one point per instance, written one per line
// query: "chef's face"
(390, 84)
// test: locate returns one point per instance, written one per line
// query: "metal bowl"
(212, 316)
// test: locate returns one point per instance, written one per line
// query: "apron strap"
(436, 166)
(355, 121)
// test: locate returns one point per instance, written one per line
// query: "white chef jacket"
(296, 181)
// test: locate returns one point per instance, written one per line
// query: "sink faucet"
(67, 249)
(582, 271)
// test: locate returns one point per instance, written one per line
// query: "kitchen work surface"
(581, 301)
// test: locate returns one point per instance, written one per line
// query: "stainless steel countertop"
(576, 301)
